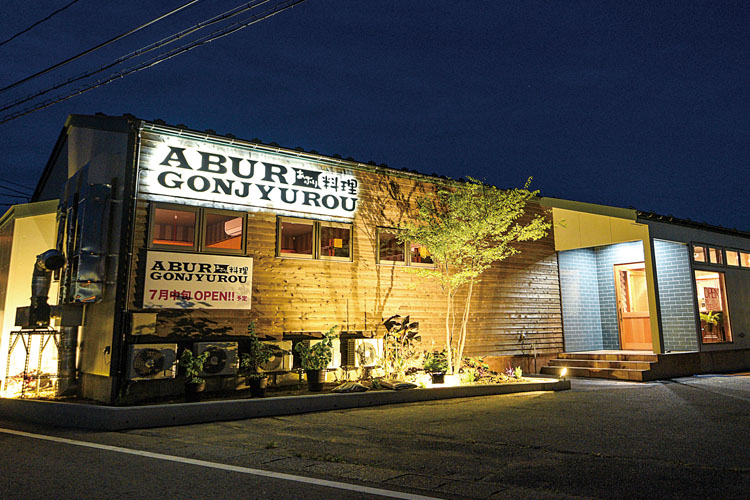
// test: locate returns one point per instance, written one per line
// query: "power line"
(103, 44)
(13, 190)
(13, 196)
(143, 50)
(276, 9)
(37, 23)
(17, 184)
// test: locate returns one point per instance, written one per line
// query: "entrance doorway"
(632, 306)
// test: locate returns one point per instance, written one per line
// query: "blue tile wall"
(676, 303)
(580, 300)
(606, 258)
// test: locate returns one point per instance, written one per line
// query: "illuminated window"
(420, 256)
(223, 232)
(390, 250)
(733, 258)
(715, 255)
(197, 229)
(173, 227)
(699, 253)
(745, 259)
(335, 240)
(310, 239)
(713, 307)
(296, 237)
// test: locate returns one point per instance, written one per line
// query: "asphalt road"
(687, 438)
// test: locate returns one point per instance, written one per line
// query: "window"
(223, 232)
(745, 259)
(715, 255)
(733, 258)
(335, 240)
(309, 239)
(173, 227)
(713, 307)
(393, 252)
(699, 253)
(707, 254)
(390, 250)
(419, 255)
(197, 229)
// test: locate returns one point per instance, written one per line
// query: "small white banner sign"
(197, 281)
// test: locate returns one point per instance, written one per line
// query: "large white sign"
(195, 170)
(197, 281)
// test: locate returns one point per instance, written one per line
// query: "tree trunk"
(448, 330)
(464, 326)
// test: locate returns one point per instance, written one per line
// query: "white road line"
(232, 468)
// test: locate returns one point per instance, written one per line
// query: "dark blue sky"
(638, 103)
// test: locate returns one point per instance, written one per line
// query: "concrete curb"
(115, 418)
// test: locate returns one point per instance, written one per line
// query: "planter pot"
(258, 386)
(193, 391)
(315, 380)
(438, 377)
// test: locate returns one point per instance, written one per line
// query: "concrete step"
(608, 373)
(598, 363)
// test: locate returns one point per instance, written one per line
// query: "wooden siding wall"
(521, 295)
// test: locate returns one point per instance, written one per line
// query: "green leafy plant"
(192, 365)
(319, 355)
(466, 228)
(435, 362)
(399, 344)
(517, 372)
(473, 369)
(257, 354)
(711, 317)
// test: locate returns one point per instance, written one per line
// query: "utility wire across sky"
(226, 31)
(144, 50)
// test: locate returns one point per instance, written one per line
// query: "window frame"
(316, 239)
(341, 225)
(739, 258)
(378, 260)
(199, 245)
(407, 262)
(202, 225)
(726, 313)
(707, 254)
(152, 226)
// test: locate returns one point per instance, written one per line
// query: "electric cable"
(13, 190)
(276, 9)
(143, 50)
(17, 184)
(103, 44)
(37, 23)
(13, 196)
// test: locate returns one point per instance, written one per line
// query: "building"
(180, 239)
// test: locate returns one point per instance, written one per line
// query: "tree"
(465, 229)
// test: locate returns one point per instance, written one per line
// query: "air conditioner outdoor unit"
(364, 352)
(222, 360)
(152, 361)
(336, 358)
(281, 360)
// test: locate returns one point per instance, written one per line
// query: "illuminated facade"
(178, 239)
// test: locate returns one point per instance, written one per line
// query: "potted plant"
(192, 366)
(250, 362)
(316, 358)
(436, 364)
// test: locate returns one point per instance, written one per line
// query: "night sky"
(638, 103)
